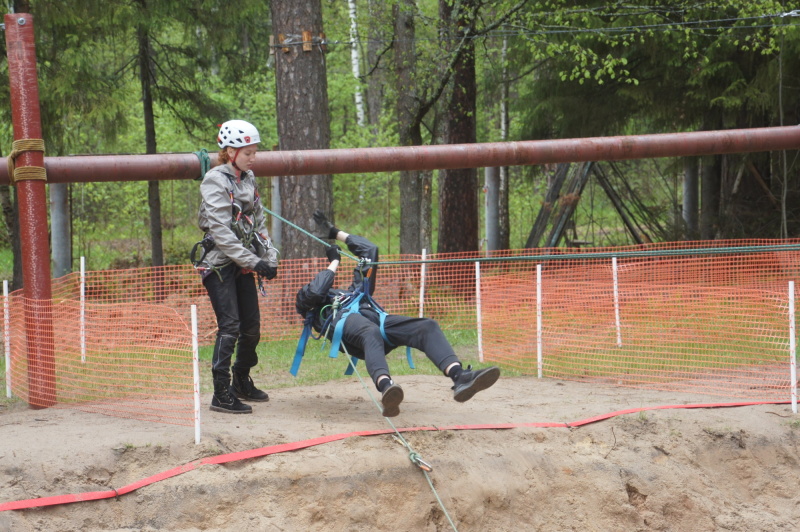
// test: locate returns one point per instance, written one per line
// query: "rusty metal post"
(32, 201)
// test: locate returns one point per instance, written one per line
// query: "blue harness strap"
(352, 306)
(382, 316)
(301, 344)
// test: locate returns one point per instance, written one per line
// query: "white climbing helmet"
(237, 134)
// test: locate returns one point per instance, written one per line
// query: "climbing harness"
(343, 306)
(243, 227)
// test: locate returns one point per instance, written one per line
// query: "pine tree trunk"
(303, 118)
(153, 195)
(11, 218)
(709, 197)
(503, 218)
(690, 196)
(458, 189)
(375, 72)
(407, 108)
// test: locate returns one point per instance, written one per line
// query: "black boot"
(243, 387)
(469, 382)
(225, 401)
(391, 397)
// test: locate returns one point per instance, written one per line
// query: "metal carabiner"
(419, 462)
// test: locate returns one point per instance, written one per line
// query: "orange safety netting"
(705, 317)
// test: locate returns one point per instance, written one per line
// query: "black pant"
(362, 338)
(235, 303)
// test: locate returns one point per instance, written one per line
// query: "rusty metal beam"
(32, 201)
(85, 168)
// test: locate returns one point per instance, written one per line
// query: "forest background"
(138, 76)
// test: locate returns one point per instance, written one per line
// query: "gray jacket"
(224, 195)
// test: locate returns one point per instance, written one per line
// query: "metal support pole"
(492, 194)
(184, 166)
(32, 199)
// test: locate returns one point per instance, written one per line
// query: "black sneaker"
(471, 382)
(243, 388)
(229, 404)
(391, 399)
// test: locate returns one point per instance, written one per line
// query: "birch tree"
(355, 62)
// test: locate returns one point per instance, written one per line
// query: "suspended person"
(235, 246)
(362, 333)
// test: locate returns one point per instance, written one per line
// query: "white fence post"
(196, 372)
(478, 309)
(539, 363)
(7, 338)
(83, 309)
(616, 301)
(792, 349)
(422, 285)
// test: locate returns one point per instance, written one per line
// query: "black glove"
(327, 229)
(332, 252)
(265, 270)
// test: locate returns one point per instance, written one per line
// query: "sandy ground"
(668, 469)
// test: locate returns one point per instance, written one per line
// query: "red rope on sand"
(286, 447)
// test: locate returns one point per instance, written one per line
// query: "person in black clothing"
(362, 335)
(236, 246)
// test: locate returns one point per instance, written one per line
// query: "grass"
(6, 265)
(275, 359)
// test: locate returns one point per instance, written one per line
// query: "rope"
(415, 458)
(18, 147)
(284, 220)
(205, 163)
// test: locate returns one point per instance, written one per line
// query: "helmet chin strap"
(233, 161)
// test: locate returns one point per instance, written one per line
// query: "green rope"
(284, 220)
(205, 163)
(415, 458)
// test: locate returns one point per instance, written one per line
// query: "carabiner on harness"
(200, 264)
(261, 288)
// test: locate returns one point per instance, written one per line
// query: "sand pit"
(668, 469)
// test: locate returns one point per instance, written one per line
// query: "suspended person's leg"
(363, 339)
(222, 293)
(425, 335)
(249, 336)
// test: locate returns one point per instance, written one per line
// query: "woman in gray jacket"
(236, 245)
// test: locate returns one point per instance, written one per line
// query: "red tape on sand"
(304, 444)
